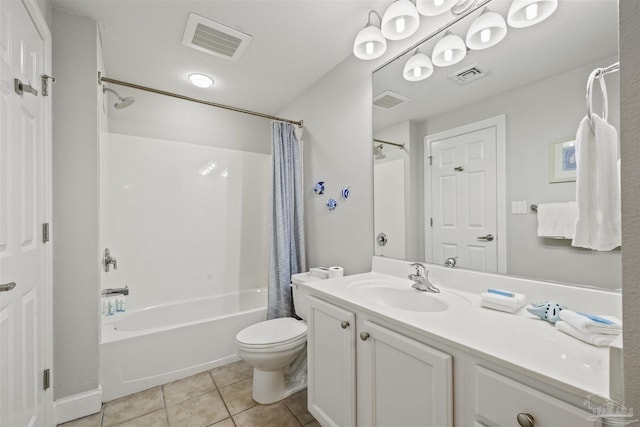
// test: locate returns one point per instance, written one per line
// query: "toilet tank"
(300, 294)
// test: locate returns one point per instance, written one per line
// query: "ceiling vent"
(213, 38)
(469, 74)
(388, 100)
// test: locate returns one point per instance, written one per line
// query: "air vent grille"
(214, 38)
(388, 100)
(469, 74)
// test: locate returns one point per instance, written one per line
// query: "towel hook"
(598, 73)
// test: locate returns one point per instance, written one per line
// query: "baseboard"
(78, 406)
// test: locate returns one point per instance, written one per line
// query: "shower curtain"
(287, 227)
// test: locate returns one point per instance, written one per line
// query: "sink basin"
(404, 298)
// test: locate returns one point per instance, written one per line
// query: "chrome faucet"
(115, 291)
(450, 262)
(109, 260)
(421, 282)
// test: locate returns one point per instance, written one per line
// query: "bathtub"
(155, 345)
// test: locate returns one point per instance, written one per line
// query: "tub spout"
(114, 291)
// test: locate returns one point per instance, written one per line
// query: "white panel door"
(331, 365)
(22, 211)
(464, 192)
(402, 382)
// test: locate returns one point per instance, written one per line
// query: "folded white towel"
(588, 325)
(598, 225)
(501, 302)
(557, 220)
(600, 340)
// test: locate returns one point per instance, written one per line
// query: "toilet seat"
(284, 332)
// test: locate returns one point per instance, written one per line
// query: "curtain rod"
(199, 101)
(388, 142)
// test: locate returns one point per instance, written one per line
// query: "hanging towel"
(557, 220)
(598, 225)
(600, 340)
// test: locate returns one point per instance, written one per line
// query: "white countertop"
(521, 341)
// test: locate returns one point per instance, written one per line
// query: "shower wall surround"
(184, 220)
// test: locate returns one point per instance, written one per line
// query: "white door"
(331, 365)
(464, 199)
(402, 382)
(22, 212)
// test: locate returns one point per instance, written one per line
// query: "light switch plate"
(519, 207)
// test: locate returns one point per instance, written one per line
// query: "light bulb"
(531, 11)
(438, 2)
(448, 55)
(417, 72)
(485, 35)
(368, 47)
(200, 80)
(400, 24)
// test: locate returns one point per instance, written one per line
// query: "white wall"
(536, 115)
(178, 234)
(75, 205)
(630, 148)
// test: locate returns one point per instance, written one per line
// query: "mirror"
(495, 127)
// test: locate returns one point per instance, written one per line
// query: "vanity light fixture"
(418, 67)
(370, 43)
(525, 13)
(400, 20)
(434, 7)
(487, 30)
(449, 50)
(200, 80)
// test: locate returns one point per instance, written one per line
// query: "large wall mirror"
(460, 157)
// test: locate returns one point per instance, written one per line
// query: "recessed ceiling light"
(200, 80)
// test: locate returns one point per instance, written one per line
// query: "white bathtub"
(156, 345)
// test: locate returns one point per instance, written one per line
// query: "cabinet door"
(331, 364)
(402, 382)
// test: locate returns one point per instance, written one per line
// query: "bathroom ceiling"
(295, 42)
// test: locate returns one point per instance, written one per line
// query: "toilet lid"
(272, 331)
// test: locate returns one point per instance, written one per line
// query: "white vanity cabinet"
(399, 382)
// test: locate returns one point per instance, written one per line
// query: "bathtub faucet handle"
(115, 291)
(109, 260)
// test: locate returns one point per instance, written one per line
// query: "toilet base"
(271, 386)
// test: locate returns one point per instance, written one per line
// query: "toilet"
(277, 349)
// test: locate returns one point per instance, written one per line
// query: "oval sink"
(402, 298)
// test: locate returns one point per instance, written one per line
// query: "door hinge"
(45, 84)
(431, 221)
(45, 232)
(430, 160)
(46, 379)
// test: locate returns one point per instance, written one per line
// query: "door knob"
(488, 237)
(7, 286)
(21, 88)
(459, 168)
(525, 420)
(382, 239)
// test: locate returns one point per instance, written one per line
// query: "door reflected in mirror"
(463, 154)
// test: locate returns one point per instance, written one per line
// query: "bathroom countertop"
(520, 342)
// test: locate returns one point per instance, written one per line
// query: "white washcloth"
(598, 225)
(600, 340)
(501, 302)
(587, 325)
(557, 220)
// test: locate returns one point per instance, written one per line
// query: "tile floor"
(218, 398)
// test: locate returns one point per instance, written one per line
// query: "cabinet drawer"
(499, 400)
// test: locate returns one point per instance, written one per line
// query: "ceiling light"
(370, 43)
(400, 20)
(487, 30)
(434, 7)
(418, 67)
(200, 80)
(524, 13)
(449, 50)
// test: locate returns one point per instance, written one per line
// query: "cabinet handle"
(364, 336)
(344, 324)
(525, 420)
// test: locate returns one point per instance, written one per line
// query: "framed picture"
(562, 160)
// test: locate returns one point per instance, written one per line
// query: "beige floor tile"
(232, 373)
(224, 423)
(297, 403)
(187, 388)
(237, 396)
(314, 423)
(199, 411)
(90, 421)
(276, 415)
(154, 419)
(133, 406)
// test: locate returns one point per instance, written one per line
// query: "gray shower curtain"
(287, 227)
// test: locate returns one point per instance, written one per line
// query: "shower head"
(122, 102)
(377, 152)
